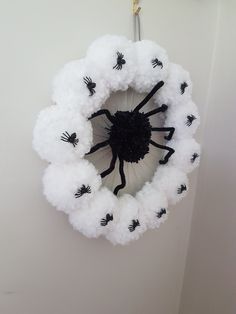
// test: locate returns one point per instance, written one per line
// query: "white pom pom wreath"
(151, 66)
(70, 186)
(81, 86)
(177, 89)
(63, 136)
(114, 57)
(96, 217)
(127, 224)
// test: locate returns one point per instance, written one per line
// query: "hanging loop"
(136, 7)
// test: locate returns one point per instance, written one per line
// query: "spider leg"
(168, 155)
(167, 137)
(111, 167)
(98, 146)
(122, 176)
(163, 108)
(100, 112)
(149, 96)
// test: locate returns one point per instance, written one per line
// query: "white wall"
(210, 276)
(46, 267)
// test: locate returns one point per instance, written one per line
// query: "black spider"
(130, 134)
(181, 189)
(183, 86)
(134, 225)
(104, 221)
(161, 213)
(90, 85)
(155, 62)
(82, 190)
(66, 137)
(190, 119)
(120, 61)
(194, 157)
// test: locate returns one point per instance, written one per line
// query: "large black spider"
(130, 134)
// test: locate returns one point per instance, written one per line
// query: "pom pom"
(69, 186)
(151, 65)
(61, 134)
(97, 216)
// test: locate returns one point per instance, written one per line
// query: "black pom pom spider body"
(183, 86)
(194, 157)
(82, 190)
(129, 136)
(190, 119)
(161, 213)
(66, 137)
(155, 62)
(120, 61)
(105, 221)
(90, 85)
(134, 225)
(181, 189)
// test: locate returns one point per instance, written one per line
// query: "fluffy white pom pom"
(61, 134)
(154, 205)
(128, 225)
(96, 217)
(70, 186)
(114, 57)
(177, 89)
(151, 65)
(187, 154)
(171, 181)
(80, 84)
(185, 119)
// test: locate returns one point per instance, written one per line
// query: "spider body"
(134, 225)
(120, 61)
(66, 137)
(82, 190)
(105, 221)
(190, 119)
(161, 213)
(181, 189)
(155, 62)
(129, 136)
(90, 85)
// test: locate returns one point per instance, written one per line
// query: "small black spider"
(155, 62)
(90, 85)
(66, 137)
(190, 119)
(104, 221)
(181, 189)
(161, 213)
(183, 86)
(120, 61)
(135, 223)
(82, 190)
(194, 157)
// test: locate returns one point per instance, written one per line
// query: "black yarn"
(161, 213)
(181, 189)
(190, 119)
(135, 223)
(120, 61)
(82, 190)
(183, 86)
(155, 62)
(129, 135)
(90, 85)
(66, 137)
(105, 221)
